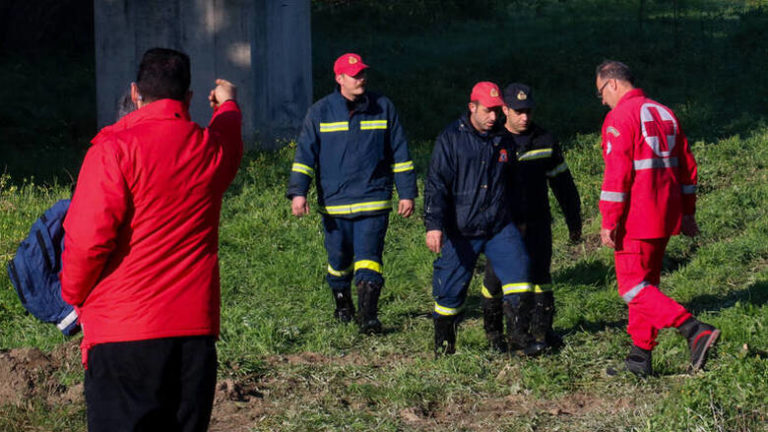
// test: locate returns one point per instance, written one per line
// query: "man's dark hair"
(612, 69)
(163, 74)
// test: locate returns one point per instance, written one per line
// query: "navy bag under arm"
(34, 271)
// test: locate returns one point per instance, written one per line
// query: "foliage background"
(704, 58)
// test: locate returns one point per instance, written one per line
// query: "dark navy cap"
(519, 96)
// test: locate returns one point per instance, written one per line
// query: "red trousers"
(638, 271)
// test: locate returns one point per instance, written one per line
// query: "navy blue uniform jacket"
(468, 185)
(354, 156)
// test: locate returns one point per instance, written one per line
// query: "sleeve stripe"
(303, 169)
(613, 196)
(563, 167)
(402, 166)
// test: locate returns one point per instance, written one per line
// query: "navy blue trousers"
(537, 237)
(354, 248)
(454, 267)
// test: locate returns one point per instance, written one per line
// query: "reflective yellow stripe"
(373, 124)
(516, 288)
(536, 154)
(442, 310)
(335, 272)
(402, 166)
(334, 127)
(368, 264)
(563, 167)
(539, 289)
(356, 208)
(487, 294)
(304, 169)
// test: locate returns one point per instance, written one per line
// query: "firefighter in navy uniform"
(540, 163)
(353, 145)
(466, 212)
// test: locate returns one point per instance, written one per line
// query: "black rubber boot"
(493, 323)
(542, 316)
(517, 310)
(701, 338)
(345, 307)
(638, 362)
(445, 335)
(368, 303)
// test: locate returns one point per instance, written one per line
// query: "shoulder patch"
(613, 131)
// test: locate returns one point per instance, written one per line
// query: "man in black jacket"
(540, 163)
(466, 212)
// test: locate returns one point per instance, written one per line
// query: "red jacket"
(141, 247)
(650, 172)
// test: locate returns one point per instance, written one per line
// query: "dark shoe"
(445, 335)
(542, 316)
(517, 313)
(368, 303)
(701, 338)
(639, 362)
(535, 348)
(554, 340)
(493, 323)
(345, 308)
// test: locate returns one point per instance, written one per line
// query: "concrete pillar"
(263, 46)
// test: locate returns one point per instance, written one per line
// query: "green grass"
(307, 372)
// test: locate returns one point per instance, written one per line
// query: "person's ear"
(472, 107)
(135, 95)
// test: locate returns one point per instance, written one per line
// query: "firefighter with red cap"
(354, 147)
(648, 194)
(467, 212)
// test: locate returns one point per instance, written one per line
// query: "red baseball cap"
(350, 64)
(487, 93)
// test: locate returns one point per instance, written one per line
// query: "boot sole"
(710, 342)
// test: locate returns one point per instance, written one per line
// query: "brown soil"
(240, 404)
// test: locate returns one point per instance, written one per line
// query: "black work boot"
(345, 307)
(638, 362)
(493, 323)
(701, 338)
(445, 335)
(368, 303)
(542, 316)
(517, 310)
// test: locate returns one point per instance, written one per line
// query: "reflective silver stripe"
(689, 189)
(69, 319)
(446, 311)
(304, 169)
(402, 167)
(642, 164)
(613, 196)
(563, 167)
(631, 294)
(334, 127)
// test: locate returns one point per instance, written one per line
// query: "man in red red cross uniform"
(648, 195)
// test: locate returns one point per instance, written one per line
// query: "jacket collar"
(362, 104)
(637, 92)
(162, 109)
(465, 125)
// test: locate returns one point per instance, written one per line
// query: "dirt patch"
(25, 374)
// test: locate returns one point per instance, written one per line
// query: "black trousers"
(151, 385)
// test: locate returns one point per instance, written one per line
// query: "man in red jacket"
(648, 195)
(141, 256)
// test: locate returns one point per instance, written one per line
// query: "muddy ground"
(28, 374)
